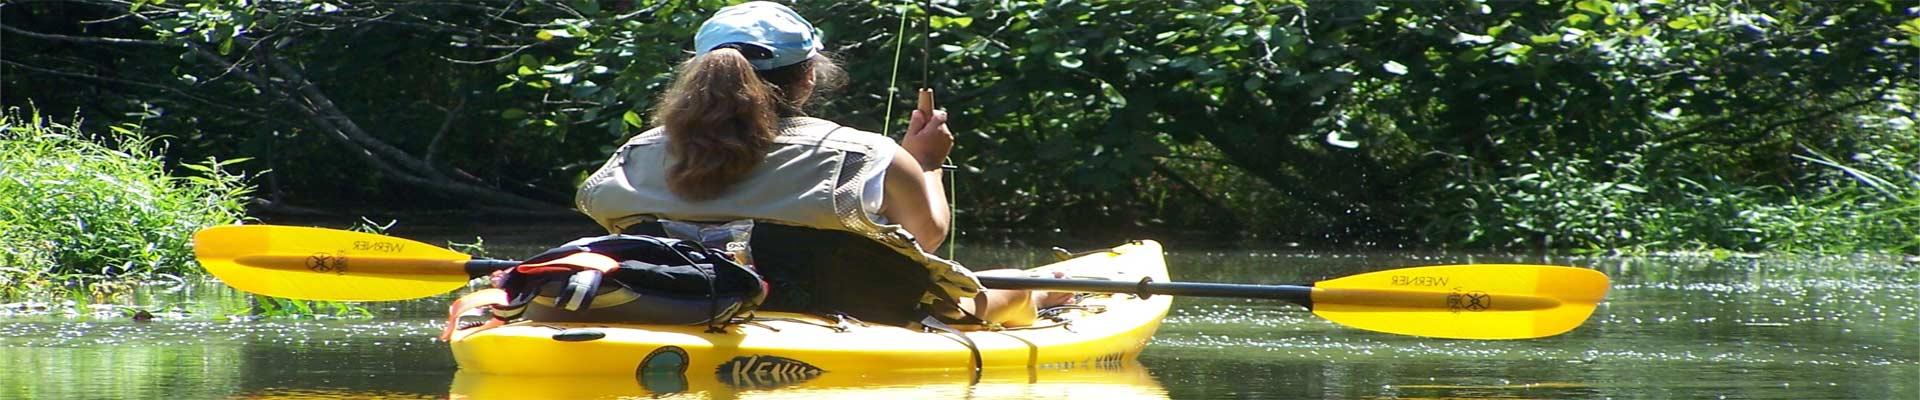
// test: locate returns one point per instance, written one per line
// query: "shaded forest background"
(1585, 125)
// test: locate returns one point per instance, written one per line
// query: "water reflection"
(1131, 381)
(1761, 328)
(1783, 328)
(216, 359)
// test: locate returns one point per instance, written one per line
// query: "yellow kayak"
(1125, 381)
(1100, 332)
(1129, 381)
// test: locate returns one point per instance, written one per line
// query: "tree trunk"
(284, 79)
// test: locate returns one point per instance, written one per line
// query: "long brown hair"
(721, 116)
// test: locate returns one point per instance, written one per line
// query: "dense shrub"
(1860, 193)
(80, 207)
(1586, 124)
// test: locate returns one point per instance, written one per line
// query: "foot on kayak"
(1054, 299)
(1015, 308)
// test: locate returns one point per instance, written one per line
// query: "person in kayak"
(838, 220)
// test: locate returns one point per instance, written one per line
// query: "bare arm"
(914, 198)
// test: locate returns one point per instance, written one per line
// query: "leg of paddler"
(1005, 307)
(1013, 307)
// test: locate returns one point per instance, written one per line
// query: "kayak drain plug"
(578, 335)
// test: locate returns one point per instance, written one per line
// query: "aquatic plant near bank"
(275, 307)
(79, 207)
(1861, 194)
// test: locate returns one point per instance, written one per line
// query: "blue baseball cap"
(769, 34)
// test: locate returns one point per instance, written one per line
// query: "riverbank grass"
(82, 208)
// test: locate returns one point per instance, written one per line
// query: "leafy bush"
(78, 207)
(1537, 124)
(1866, 201)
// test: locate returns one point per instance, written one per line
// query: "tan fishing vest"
(812, 177)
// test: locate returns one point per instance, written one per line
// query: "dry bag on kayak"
(621, 278)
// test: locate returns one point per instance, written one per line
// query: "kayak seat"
(828, 272)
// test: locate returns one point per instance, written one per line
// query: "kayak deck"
(1100, 331)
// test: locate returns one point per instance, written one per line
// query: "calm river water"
(1672, 327)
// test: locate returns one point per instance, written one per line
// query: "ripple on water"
(1672, 327)
(91, 334)
(1632, 329)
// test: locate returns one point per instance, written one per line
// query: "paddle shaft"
(479, 267)
(1301, 295)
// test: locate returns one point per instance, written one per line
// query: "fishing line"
(953, 178)
(926, 81)
(893, 81)
(926, 43)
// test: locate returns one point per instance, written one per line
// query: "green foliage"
(274, 307)
(80, 207)
(367, 225)
(477, 249)
(1865, 201)
(1589, 124)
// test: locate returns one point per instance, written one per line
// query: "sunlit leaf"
(1337, 140)
(632, 119)
(1911, 27)
(1512, 48)
(1471, 39)
(1683, 23)
(1394, 67)
(1597, 7)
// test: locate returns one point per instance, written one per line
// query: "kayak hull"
(1102, 332)
(1128, 381)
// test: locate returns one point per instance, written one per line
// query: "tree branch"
(326, 110)
(1161, 168)
(169, 89)
(1691, 137)
(446, 124)
(83, 39)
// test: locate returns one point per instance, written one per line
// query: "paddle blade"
(1485, 301)
(326, 264)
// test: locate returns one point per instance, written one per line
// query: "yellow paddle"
(325, 264)
(1480, 301)
(1497, 301)
(1464, 301)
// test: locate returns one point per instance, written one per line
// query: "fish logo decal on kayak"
(663, 371)
(765, 371)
